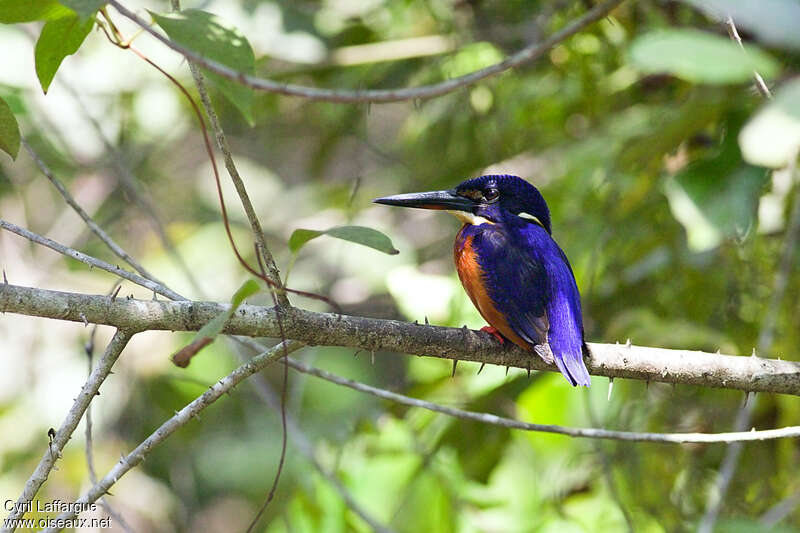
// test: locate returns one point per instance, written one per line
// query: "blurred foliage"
(660, 195)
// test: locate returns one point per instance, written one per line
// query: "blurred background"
(655, 163)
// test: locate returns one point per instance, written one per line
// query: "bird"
(513, 270)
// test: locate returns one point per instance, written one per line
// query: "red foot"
(491, 330)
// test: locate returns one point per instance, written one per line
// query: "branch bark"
(611, 360)
(530, 53)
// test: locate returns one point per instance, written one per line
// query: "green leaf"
(9, 131)
(771, 21)
(699, 57)
(84, 8)
(209, 332)
(357, 234)
(207, 35)
(60, 38)
(248, 288)
(14, 11)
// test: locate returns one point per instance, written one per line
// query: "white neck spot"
(469, 218)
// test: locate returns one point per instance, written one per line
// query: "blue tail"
(570, 362)
(566, 325)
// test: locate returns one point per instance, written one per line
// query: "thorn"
(85, 322)
(416, 322)
(426, 321)
(610, 388)
(355, 354)
(455, 363)
(529, 369)
(5, 279)
(746, 399)
(372, 357)
(718, 352)
(155, 296)
(754, 353)
(628, 343)
(481, 368)
(114, 296)
(647, 384)
(506, 370)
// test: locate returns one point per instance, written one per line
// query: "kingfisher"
(516, 275)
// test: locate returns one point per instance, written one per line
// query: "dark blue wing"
(531, 283)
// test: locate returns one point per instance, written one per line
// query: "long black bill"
(429, 200)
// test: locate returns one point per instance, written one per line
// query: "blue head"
(499, 198)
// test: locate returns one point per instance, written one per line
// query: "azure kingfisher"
(513, 271)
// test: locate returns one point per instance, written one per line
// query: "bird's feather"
(523, 285)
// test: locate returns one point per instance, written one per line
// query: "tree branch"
(180, 419)
(510, 423)
(53, 453)
(91, 261)
(611, 360)
(530, 53)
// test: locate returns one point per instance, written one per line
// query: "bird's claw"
(491, 330)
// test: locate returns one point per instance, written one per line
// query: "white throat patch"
(469, 218)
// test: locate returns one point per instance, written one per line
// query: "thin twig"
(91, 261)
(592, 433)
(530, 53)
(62, 436)
(127, 178)
(222, 143)
(759, 81)
(180, 419)
(304, 445)
(89, 350)
(274, 285)
(96, 229)
(730, 462)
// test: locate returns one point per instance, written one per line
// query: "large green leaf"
(772, 21)
(14, 11)
(209, 332)
(59, 38)
(9, 130)
(209, 36)
(84, 8)
(699, 57)
(357, 234)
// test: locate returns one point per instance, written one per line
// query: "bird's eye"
(490, 195)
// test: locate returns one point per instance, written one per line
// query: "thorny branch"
(53, 453)
(688, 367)
(180, 419)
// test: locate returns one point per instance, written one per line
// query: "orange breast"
(473, 279)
